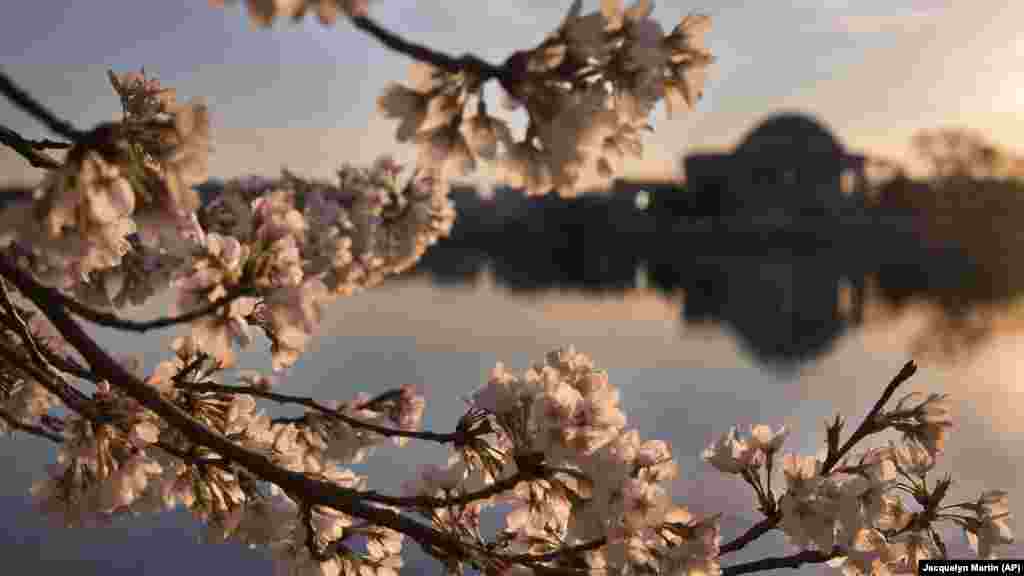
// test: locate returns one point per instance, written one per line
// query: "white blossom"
(264, 12)
(731, 455)
(990, 527)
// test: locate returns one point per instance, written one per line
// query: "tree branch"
(753, 533)
(69, 365)
(317, 492)
(868, 426)
(442, 438)
(570, 551)
(222, 463)
(467, 63)
(72, 397)
(27, 149)
(16, 424)
(113, 321)
(30, 106)
(47, 144)
(465, 498)
(20, 326)
(42, 355)
(793, 561)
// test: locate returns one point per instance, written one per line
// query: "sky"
(303, 96)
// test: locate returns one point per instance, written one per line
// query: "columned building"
(789, 165)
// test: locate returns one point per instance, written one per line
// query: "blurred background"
(845, 198)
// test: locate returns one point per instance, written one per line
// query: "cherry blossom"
(264, 12)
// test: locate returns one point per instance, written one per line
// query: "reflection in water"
(788, 292)
(764, 239)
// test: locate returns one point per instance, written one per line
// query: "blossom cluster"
(559, 429)
(103, 467)
(556, 441)
(142, 274)
(119, 181)
(857, 508)
(292, 245)
(264, 12)
(588, 90)
(120, 220)
(131, 463)
(122, 210)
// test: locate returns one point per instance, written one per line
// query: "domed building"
(790, 133)
(790, 165)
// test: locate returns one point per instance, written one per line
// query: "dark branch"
(20, 326)
(311, 403)
(561, 553)
(869, 426)
(30, 106)
(16, 424)
(793, 561)
(114, 321)
(47, 144)
(755, 532)
(315, 491)
(194, 460)
(69, 365)
(466, 498)
(866, 428)
(45, 356)
(467, 63)
(383, 397)
(27, 149)
(72, 397)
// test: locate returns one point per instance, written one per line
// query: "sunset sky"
(303, 96)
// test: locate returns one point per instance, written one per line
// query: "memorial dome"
(788, 134)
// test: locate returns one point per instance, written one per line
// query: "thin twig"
(114, 321)
(467, 63)
(197, 461)
(869, 426)
(27, 338)
(793, 561)
(30, 106)
(72, 397)
(498, 487)
(753, 533)
(866, 428)
(443, 438)
(43, 355)
(560, 553)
